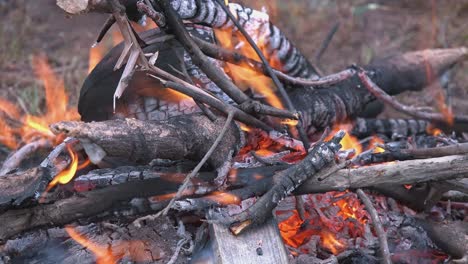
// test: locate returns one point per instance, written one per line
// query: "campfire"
(205, 136)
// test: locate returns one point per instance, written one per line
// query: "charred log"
(389, 127)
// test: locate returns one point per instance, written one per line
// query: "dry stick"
(457, 149)
(206, 98)
(409, 110)
(220, 53)
(213, 72)
(274, 78)
(378, 227)
(23, 153)
(174, 22)
(131, 45)
(199, 165)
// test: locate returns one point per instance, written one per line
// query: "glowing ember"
(331, 243)
(342, 214)
(290, 122)
(29, 127)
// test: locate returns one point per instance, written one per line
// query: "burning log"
(181, 137)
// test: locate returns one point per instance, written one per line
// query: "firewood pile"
(212, 139)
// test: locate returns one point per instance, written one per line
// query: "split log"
(181, 137)
(261, 244)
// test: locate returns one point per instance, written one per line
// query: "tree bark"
(181, 137)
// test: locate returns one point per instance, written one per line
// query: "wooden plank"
(261, 244)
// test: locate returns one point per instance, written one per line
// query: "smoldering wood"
(321, 156)
(382, 235)
(181, 137)
(80, 206)
(457, 120)
(152, 242)
(220, 53)
(389, 127)
(127, 183)
(176, 27)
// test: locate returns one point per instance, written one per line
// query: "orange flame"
(67, 175)
(349, 141)
(103, 255)
(376, 140)
(29, 127)
(242, 75)
(134, 249)
(433, 130)
(96, 54)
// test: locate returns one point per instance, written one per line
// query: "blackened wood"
(127, 183)
(181, 137)
(176, 27)
(16, 187)
(80, 206)
(394, 74)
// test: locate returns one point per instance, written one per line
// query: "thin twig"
(326, 42)
(220, 53)
(386, 259)
(174, 22)
(409, 110)
(274, 78)
(206, 98)
(200, 164)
